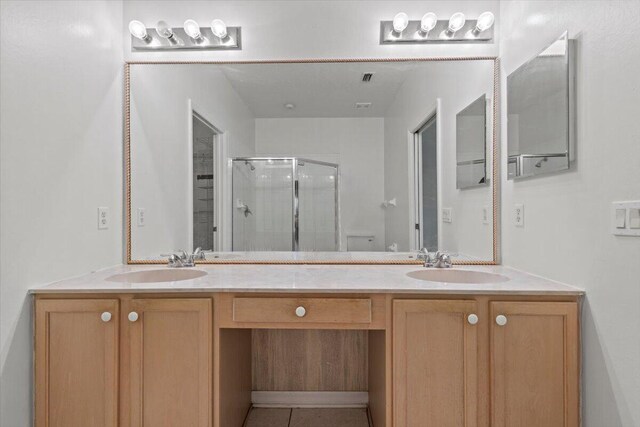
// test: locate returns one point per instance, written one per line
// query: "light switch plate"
(447, 215)
(625, 218)
(103, 218)
(141, 217)
(518, 215)
(485, 215)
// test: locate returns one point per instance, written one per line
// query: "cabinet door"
(435, 358)
(534, 364)
(170, 362)
(76, 365)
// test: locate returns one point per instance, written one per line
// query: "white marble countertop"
(311, 278)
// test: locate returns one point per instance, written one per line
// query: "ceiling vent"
(366, 77)
(362, 105)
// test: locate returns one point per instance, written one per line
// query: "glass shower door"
(262, 205)
(317, 206)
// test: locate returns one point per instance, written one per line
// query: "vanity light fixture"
(190, 36)
(485, 21)
(400, 22)
(139, 31)
(456, 22)
(430, 29)
(428, 22)
(192, 29)
(219, 28)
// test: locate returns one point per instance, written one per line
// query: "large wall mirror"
(312, 162)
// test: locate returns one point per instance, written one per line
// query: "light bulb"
(164, 30)
(456, 22)
(218, 28)
(192, 29)
(428, 22)
(138, 30)
(400, 22)
(485, 21)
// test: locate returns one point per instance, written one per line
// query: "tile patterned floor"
(307, 417)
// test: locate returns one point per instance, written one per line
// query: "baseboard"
(310, 399)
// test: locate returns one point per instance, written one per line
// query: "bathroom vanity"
(138, 351)
(375, 160)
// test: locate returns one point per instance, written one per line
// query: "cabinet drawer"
(308, 310)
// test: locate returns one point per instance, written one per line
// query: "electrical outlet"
(485, 215)
(141, 217)
(518, 215)
(103, 218)
(447, 215)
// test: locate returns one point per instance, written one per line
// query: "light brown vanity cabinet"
(534, 364)
(167, 362)
(76, 362)
(149, 364)
(443, 349)
(435, 363)
(156, 360)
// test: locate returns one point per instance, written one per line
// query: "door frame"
(415, 175)
(220, 149)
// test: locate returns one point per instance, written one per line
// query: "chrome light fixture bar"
(430, 29)
(190, 36)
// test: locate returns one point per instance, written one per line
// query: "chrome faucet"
(435, 260)
(182, 259)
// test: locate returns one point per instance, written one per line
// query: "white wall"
(305, 29)
(457, 84)
(60, 159)
(567, 233)
(356, 144)
(160, 151)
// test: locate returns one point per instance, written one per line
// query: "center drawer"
(309, 310)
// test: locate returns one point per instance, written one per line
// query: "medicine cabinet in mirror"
(540, 111)
(312, 161)
(471, 149)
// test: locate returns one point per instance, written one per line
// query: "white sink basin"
(457, 276)
(155, 276)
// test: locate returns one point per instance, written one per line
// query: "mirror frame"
(495, 174)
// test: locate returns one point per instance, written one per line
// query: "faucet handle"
(174, 260)
(443, 260)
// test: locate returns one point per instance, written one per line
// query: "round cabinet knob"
(501, 320)
(106, 316)
(301, 311)
(472, 319)
(133, 316)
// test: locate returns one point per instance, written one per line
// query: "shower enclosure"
(284, 204)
